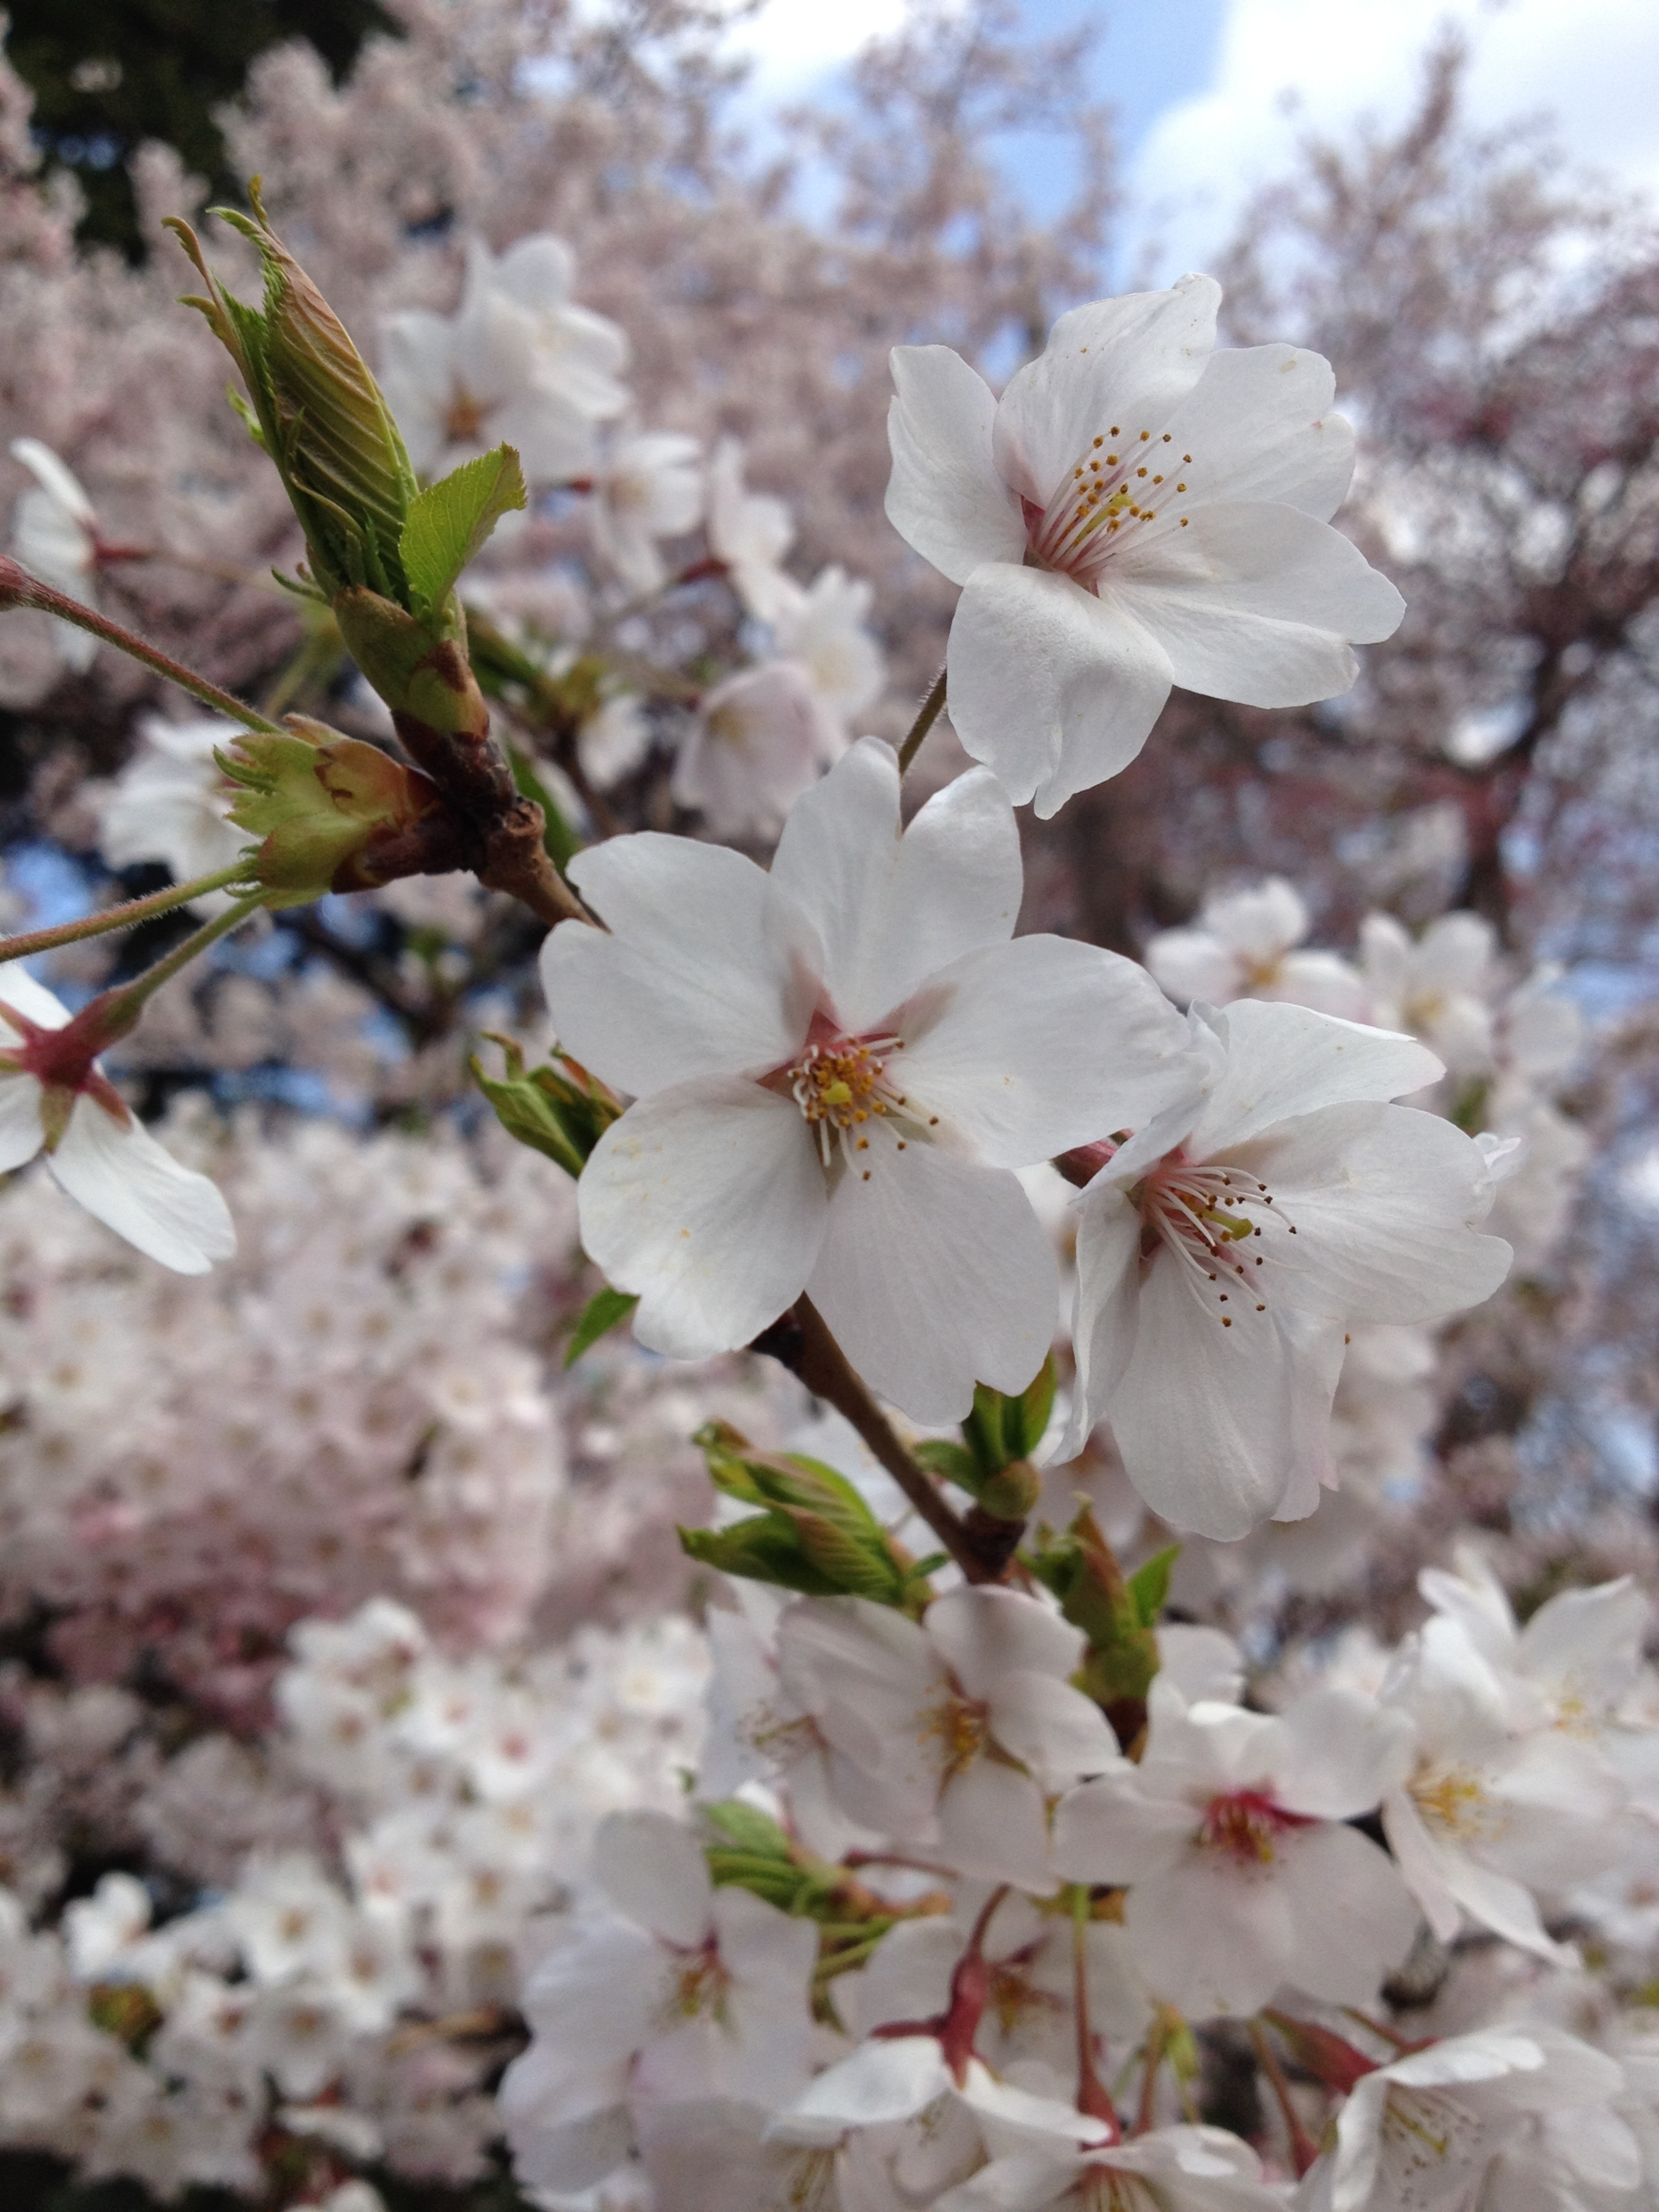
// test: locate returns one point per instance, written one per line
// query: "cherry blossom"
(1423, 2129)
(62, 1103)
(172, 803)
(1230, 1835)
(1438, 987)
(1137, 511)
(1179, 2169)
(837, 1069)
(516, 363)
(1211, 1341)
(678, 1991)
(650, 486)
(952, 1733)
(760, 739)
(54, 534)
(1494, 1809)
(749, 533)
(1244, 946)
(825, 628)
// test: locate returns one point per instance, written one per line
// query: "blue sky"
(1212, 94)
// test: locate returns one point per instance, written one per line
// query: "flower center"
(956, 1728)
(464, 424)
(842, 1084)
(1123, 482)
(698, 1986)
(1246, 1826)
(1208, 1217)
(1453, 1805)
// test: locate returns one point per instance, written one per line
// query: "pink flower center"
(1208, 1219)
(62, 1061)
(1245, 1826)
(844, 1087)
(1122, 482)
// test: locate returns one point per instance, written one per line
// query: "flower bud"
(335, 814)
(558, 1108)
(317, 412)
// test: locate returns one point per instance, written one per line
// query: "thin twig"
(926, 715)
(126, 916)
(19, 589)
(1303, 2151)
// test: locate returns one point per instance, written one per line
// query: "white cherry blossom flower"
(1244, 945)
(1179, 2169)
(649, 488)
(1438, 987)
(825, 628)
(172, 803)
(507, 366)
(54, 534)
(760, 738)
(679, 1991)
(55, 1099)
(1420, 2133)
(1137, 511)
(1490, 1813)
(898, 2077)
(713, 2155)
(1222, 1249)
(953, 1734)
(1230, 1835)
(749, 533)
(836, 1070)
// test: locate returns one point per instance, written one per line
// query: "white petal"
(759, 1944)
(934, 1275)
(1255, 602)
(1108, 1307)
(1258, 426)
(1342, 1754)
(31, 999)
(885, 2081)
(696, 979)
(1209, 1936)
(1127, 363)
(1113, 1830)
(984, 1633)
(1284, 1061)
(991, 1824)
(654, 1873)
(607, 1975)
(1026, 1049)
(130, 1183)
(1381, 1199)
(1353, 1919)
(1424, 1865)
(1053, 688)
(944, 497)
(1020, 2108)
(1205, 1417)
(890, 910)
(707, 1202)
(54, 476)
(1052, 1729)
(22, 1134)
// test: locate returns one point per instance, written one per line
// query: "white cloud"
(793, 43)
(1593, 64)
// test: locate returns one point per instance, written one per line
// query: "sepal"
(325, 808)
(558, 1108)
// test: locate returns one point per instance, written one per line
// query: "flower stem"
(19, 589)
(803, 1342)
(119, 1008)
(119, 917)
(1093, 2096)
(926, 715)
(1303, 2151)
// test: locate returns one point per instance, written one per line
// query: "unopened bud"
(335, 814)
(317, 412)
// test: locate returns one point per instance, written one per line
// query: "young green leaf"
(601, 1314)
(448, 522)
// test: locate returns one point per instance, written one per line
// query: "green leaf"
(862, 1570)
(561, 841)
(747, 1829)
(448, 522)
(763, 1550)
(602, 1313)
(1149, 1585)
(950, 1462)
(557, 1108)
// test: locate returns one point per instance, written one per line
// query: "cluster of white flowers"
(348, 1997)
(932, 1938)
(987, 1869)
